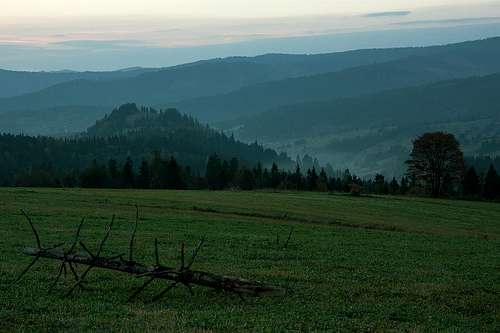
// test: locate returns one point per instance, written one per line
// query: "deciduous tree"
(436, 157)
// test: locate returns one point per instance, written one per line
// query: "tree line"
(219, 174)
(436, 167)
(167, 173)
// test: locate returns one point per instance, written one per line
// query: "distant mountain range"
(357, 109)
(203, 78)
(227, 88)
(15, 83)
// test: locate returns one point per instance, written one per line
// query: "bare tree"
(436, 159)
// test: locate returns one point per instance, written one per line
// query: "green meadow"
(352, 264)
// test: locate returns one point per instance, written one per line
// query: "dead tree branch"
(183, 275)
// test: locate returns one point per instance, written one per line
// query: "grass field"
(353, 264)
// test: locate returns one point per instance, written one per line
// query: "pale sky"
(111, 34)
(211, 8)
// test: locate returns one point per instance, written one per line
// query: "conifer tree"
(471, 183)
(127, 175)
(113, 173)
(174, 177)
(394, 187)
(491, 184)
(214, 173)
(322, 182)
(404, 185)
(258, 175)
(275, 178)
(144, 177)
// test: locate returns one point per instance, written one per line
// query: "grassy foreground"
(362, 264)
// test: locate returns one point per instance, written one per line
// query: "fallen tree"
(183, 274)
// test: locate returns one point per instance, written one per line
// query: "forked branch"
(183, 275)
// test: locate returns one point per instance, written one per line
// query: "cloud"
(390, 14)
(452, 21)
(101, 44)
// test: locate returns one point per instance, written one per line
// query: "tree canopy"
(436, 161)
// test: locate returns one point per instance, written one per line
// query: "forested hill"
(128, 119)
(447, 102)
(373, 133)
(129, 132)
(437, 64)
(172, 133)
(15, 83)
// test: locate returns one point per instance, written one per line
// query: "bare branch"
(77, 236)
(84, 247)
(24, 272)
(157, 256)
(289, 237)
(38, 243)
(138, 291)
(73, 270)
(160, 295)
(182, 257)
(106, 236)
(132, 238)
(79, 282)
(57, 278)
(195, 254)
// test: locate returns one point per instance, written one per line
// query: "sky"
(113, 34)
(212, 8)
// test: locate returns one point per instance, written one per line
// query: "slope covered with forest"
(16, 83)
(132, 132)
(227, 88)
(458, 61)
(373, 132)
(203, 78)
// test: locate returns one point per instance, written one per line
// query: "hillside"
(362, 132)
(447, 101)
(209, 89)
(129, 132)
(457, 61)
(15, 83)
(203, 78)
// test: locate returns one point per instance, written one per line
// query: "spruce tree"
(394, 187)
(296, 179)
(113, 173)
(246, 179)
(471, 183)
(127, 175)
(214, 173)
(157, 171)
(258, 175)
(94, 176)
(312, 179)
(404, 185)
(275, 178)
(144, 177)
(322, 182)
(491, 184)
(174, 177)
(379, 184)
